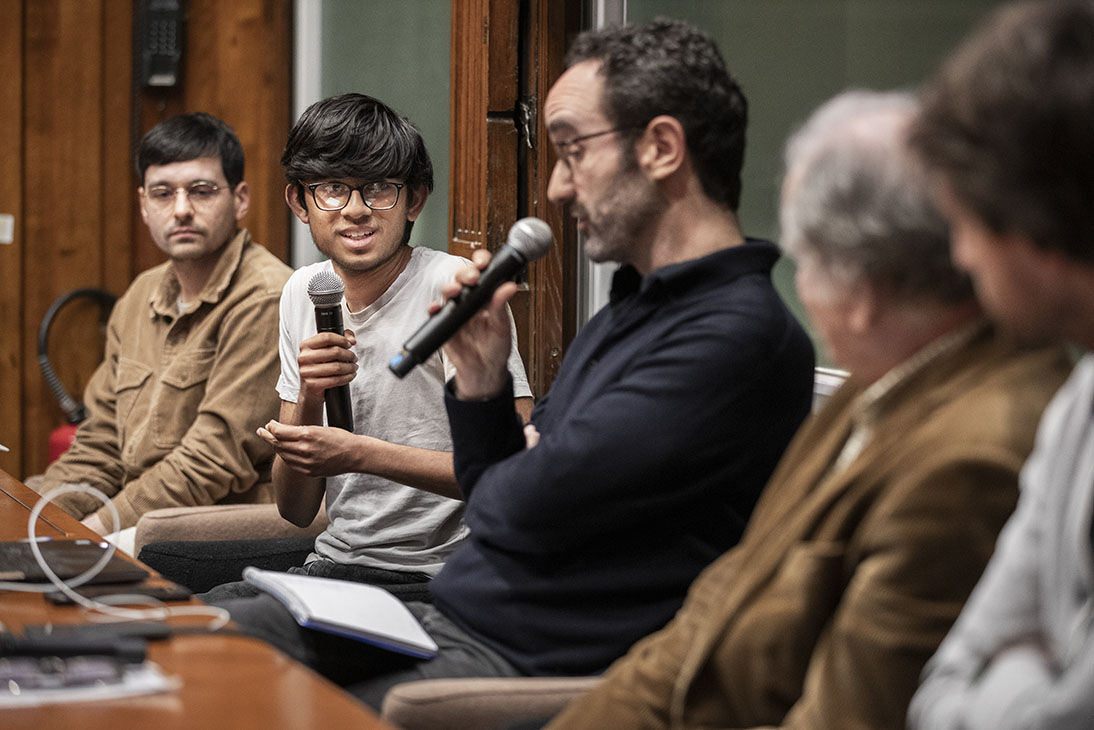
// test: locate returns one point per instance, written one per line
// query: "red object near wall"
(60, 439)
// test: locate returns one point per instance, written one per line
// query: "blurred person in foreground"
(1007, 128)
(886, 505)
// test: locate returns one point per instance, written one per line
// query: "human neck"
(904, 330)
(193, 275)
(690, 227)
(365, 287)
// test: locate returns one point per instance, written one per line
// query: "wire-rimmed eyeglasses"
(199, 193)
(570, 151)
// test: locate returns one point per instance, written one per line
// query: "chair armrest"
(220, 522)
(483, 703)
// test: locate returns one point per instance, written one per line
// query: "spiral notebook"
(355, 610)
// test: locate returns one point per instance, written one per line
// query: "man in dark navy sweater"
(672, 407)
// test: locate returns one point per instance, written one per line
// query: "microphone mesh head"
(326, 289)
(531, 237)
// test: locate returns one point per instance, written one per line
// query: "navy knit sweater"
(669, 413)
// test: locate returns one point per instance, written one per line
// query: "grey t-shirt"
(374, 521)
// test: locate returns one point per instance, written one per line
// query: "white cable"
(104, 606)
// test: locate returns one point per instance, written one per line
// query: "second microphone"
(529, 239)
(326, 291)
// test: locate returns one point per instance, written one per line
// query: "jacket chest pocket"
(131, 381)
(773, 639)
(179, 393)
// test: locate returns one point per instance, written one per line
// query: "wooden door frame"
(505, 55)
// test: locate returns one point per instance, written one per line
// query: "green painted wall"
(791, 55)
(397, 51)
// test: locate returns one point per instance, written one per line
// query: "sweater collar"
(754, 256)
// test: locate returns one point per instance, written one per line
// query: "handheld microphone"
(529, 239)
(325, 290)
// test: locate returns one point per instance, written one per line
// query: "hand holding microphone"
(325, 290)
(529, 239)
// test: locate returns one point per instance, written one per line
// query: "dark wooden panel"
(503, 38)
(501, 60)
(63, 206)
(467, 137)
(502, 174)
(552, 280)
(237, 65)
(486, 217)
(12, 355)
(118, 178)
(502, 212)
(244, 65)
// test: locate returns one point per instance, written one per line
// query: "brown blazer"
(844, 584)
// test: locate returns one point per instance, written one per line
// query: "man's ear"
(866, 306)
(293, 197)
(662, 147)
(414, 206)
(144, 204)
(241, 198)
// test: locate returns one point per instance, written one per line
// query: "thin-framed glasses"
(331, 196)
(570, 152)
(199, 193)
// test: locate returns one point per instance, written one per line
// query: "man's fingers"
(503, 294)
(531, 436)
(481, 258)
(466, 276)
(266, 436)
(314, 355)
(323, 340)
(281, 431)
(315, 372)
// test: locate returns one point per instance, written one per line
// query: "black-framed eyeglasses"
(332, 196)
(199, 192)
(570, 151)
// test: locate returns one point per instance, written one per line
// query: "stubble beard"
(622, 217)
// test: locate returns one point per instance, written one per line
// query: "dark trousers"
(364, 670)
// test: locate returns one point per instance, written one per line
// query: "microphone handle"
(339, 410)
(506, 264)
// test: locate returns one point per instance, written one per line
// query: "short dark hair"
(669, 67)
(188, 137)
(1009, 123)
(356, 136)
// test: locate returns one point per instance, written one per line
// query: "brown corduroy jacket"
(846, 581)
(172, 410)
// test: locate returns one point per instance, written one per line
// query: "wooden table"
(227, 681)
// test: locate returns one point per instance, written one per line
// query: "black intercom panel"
(159, 37)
